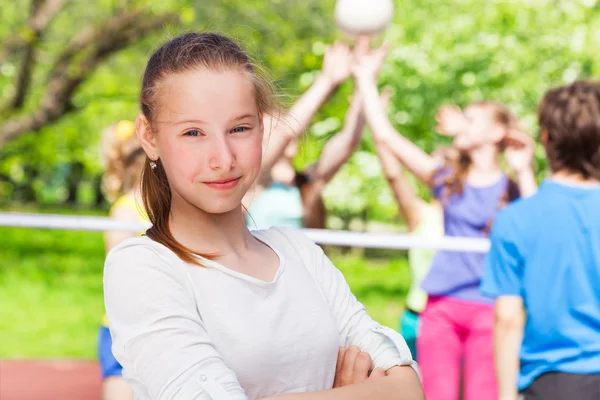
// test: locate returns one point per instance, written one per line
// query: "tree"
(87, 76)
(89, 47)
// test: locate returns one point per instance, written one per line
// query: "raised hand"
(337, 62)
(450, 120)
(368, 63)
(519, 150)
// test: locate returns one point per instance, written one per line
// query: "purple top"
(458, 274)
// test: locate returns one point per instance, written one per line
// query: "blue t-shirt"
(457, 274)
(546, 249)
(278, 205)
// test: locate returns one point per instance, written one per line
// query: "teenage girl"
(203, 308)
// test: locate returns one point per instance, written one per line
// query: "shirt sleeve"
(386, 347)
(503, 271)
(158, 335)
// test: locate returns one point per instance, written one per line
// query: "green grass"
(51, 290)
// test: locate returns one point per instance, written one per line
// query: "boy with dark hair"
(543, 267)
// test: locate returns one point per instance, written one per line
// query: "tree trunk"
(73, 181)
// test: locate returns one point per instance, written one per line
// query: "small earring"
(153, 164)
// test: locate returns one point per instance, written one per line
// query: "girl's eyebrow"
(190, 121)
(244, 116)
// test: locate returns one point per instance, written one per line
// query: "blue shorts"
(108, 363)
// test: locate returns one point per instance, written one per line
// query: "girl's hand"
(337, 63)
(368, 62)
(354, 366)
(450, 120)
(519, 150)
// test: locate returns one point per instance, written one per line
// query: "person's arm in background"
(280, 130)
(421, 164)
(340, 147)
(519, 152)
(508, 335)
(408, 201)
(334, 155)
(502, 280)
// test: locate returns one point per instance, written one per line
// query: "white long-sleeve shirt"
(187, 332)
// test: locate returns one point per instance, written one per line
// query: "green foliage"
(444, 52)
(468, 50)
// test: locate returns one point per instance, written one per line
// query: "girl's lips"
(223, 184)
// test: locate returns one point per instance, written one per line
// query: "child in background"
(284, 196)
(293, 199)
(457, 323)
(124, 159)
(544, 264)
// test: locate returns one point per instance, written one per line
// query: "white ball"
(364, 17)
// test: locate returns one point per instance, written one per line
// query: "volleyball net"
(328, 237)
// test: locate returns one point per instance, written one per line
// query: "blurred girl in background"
(123, 159)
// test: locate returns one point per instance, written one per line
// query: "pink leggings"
(453, 333)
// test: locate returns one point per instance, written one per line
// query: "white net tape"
(320, 236)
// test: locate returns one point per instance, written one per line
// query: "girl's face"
(208, 135)
(482, 129)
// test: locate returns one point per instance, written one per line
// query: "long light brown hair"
(190, 51)
(123, 159)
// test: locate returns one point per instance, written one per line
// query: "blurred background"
(68, 69)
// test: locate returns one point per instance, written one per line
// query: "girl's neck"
(485, 166)
(204, 232)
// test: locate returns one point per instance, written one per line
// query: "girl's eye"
(193, 132)
(239, 129)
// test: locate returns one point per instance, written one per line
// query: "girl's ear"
(146, 136)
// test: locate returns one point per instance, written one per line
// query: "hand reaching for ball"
(368, 62)
(337, 62)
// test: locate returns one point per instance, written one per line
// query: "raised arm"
(407, 198)
(421, 164)
(404, 193)
(279, 130)
(520, 148)
(341, 146)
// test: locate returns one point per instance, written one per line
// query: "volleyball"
(363, 17)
